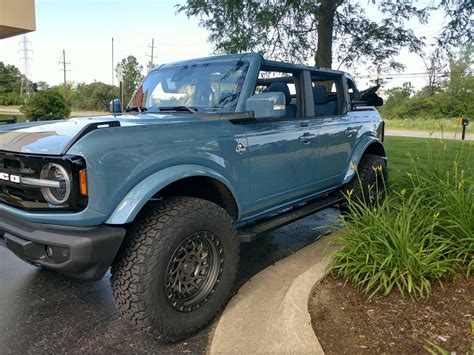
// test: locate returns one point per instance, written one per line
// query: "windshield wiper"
(178, 108)
(135, 108)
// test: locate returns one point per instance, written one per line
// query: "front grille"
(14, 194)
(29, 166)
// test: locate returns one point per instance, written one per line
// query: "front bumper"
(82, 252)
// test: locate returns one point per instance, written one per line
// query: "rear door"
(337, 132)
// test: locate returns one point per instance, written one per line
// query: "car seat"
(322, 106)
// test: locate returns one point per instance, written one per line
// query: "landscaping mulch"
(346, 322)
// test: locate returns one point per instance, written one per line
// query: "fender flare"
(358, 153)
(133, 202)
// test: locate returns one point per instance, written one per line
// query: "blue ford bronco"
(209, 153)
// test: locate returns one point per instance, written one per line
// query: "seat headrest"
(320, 95)
(280, 86)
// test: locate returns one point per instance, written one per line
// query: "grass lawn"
(7, 116)
(427, 125)
(401, 150)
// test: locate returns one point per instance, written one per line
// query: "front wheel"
(368, 186)
(174, 271)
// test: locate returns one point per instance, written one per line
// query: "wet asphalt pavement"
(44, 312)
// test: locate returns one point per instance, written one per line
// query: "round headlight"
(60, 192)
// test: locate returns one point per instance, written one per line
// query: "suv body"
(253, 136)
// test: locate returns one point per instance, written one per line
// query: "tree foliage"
(132, 76)
(95, 96)
(296, 30)
(453, 98)
(10, 85)
(46, 105)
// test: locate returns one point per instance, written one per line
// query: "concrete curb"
(270, 312)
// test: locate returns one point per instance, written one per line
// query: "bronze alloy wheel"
(194, 271)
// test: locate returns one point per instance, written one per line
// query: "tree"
(435, 66)
(132, 76)
(296, 30)
(454, 96)
(459, 88)
(42, 85)
(10, 85)
(46, 105)
(95, 96)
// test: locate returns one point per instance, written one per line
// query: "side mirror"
(267, 105)
(115, 106)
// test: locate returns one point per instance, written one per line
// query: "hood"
(54, 137)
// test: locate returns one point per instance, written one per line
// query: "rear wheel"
(368, 186)
(174, 272)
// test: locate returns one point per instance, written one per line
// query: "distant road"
(421, 134)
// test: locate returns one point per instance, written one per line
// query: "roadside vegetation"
(423, 231)
(449, 95)
(46, 105)
(94, 96)
(431, 125)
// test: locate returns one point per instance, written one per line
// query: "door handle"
(350, 131)
(307, 137)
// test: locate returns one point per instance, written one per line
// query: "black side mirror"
(115, 106)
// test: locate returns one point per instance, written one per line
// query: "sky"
(84, 29)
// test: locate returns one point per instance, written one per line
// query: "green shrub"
(46, 105)
(420, 234)
(453, 191)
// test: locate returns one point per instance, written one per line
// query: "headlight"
(59, 193)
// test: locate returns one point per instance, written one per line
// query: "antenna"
(65, 64)
(151, 56)
(25, 59)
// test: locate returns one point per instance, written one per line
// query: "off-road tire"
(140, 268)
(368, 174)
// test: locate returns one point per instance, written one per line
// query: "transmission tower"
(25, 58)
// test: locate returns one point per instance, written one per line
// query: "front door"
(282, 155)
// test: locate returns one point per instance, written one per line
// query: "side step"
(251, 232)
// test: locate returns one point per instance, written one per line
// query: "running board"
(250, 232)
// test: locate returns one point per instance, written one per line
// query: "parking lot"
(44, 312)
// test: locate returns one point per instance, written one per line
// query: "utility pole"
(64, 69)
(151, 56)
(113, 63)
(25, 59)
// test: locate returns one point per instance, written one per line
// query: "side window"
(275, 81)
(327, 96)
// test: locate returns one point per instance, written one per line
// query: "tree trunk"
(325, 16)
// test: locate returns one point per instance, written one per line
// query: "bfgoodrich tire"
(368, 186)
(174, 271)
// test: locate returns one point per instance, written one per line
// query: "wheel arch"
(184, 180)
(369, 145)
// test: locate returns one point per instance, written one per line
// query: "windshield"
(197, 88)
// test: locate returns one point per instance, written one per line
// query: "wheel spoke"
(194, 271)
